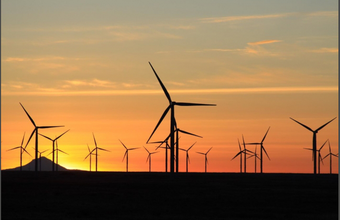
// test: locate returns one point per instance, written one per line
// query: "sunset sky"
(84, 64)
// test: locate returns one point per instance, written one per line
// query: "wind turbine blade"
(57, 126)
(44, 151)
(302, 124)
(236, 155)
(185, 132)
(324, 125)
(182, 149)
(159, 122)
(103, 149)
(192, 104)
(27, 152)
(265, 135)
(125, 154)
(265, 152)
(133, 148)
(28, 115)
(191, 146)
(45, 137)
(239, 145)
(146, 149)
(329, 145)
(87, 156)
(244, 145)
(327, 156)
(49, 153)
(63, 152)
(62, 134)
(252, 143)
(200, 153)
(209, 150)
(14, 148)
(35, 129)
(22, 142)
(95, 143)
(323, 145)
(147, 158)
(250, 156)
(123, 144)
(162, 85)
(88, 148)
(188, 158)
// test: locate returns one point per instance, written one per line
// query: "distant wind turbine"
(319, 155)
(314, 139)
(240, 153)
(187, 155)
(40, 153)
(96, 149)
(205, 158)
(149, 157)
(22, 150)
(245, 150)
(57, 150)
(173, 125)
(90, 154)
(261, 150)
(255, 155)
(36, 128)
(53, 146)
(330, 154)
(127, 155)
(177, 144)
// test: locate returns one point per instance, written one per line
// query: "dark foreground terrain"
(105, 195)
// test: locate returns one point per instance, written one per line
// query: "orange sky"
(88, 70)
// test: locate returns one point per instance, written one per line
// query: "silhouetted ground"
(106, 195)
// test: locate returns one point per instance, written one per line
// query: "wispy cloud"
(25, 59)
(263, 42)
(238, 18)
(256, 17)
(91, 83)
(326, 50)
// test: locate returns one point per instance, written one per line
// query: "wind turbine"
(261, 150)
(330, 154)
(319, 155)
(205, 157)
(22, 150)
(177, 144)
(166, 150)
(149, 157)
(40, 153)
(127, 155)
(90, 154)
(255, 155)
(36, 128)
(96, 149)
(245, 150)
(314, 138)
(187, 155)
(53, 141)
(57, 150)
(171, 107)
(239, 154)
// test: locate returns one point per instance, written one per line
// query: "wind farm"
(252, 86)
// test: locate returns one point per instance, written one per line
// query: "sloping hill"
(44, 164)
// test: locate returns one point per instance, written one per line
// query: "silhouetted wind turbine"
(319, 155)
(261, 150)
(166, 150)
(177, 144)
(330, 154)
(255, 155)
(240, 153)
(90, 154)
(187, 155)
(96, 149)
(57, 150)
(205, 157)
(40, 153)
(127, 155)
(314, 138)
(53, 141)
(245, 150)
(36, 128)
(149, 157)
(22, 150)
(171, 107)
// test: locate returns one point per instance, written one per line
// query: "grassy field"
(110, 195)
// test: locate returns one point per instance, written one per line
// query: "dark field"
(105, 195)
